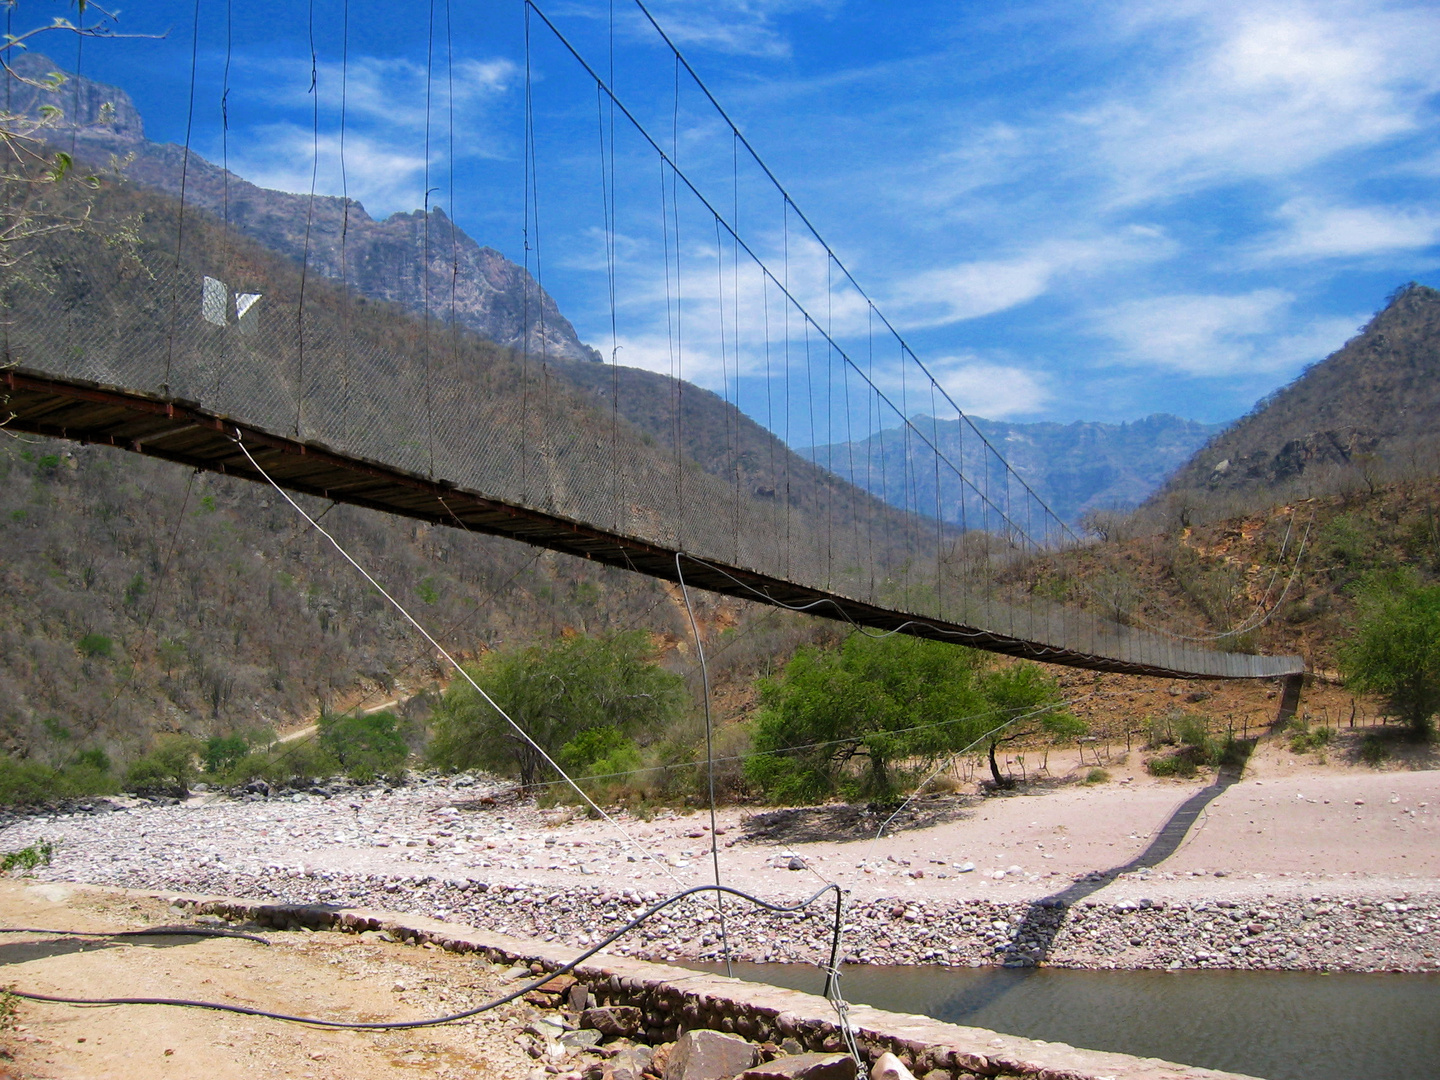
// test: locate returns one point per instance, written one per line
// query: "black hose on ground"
(391, 1025)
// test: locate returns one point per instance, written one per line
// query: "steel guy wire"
(454, 663)
(709, 758)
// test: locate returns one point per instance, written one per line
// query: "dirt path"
(329, 974)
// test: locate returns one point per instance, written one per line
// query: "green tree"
(365, 745)
(866, 717)
(1028, 698)
(558, 692)
(1395, 649)
(852, 720)
(168, 768)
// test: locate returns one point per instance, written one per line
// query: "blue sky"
(1069, 211)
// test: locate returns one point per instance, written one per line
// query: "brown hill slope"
(1366, 411)
(1285, 575)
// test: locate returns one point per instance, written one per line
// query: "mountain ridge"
(1372, 404)
(1075, 468)
(411, 259)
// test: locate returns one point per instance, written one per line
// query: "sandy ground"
(331, 974)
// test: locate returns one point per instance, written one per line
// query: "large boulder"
(710, 1055)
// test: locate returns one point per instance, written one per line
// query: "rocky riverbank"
(461, 849)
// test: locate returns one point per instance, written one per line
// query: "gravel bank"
(456, 849)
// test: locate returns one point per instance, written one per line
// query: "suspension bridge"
(162, 329)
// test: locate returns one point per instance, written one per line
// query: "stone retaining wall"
(1316, 931)
(675, 1000)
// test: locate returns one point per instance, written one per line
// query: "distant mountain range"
(1073, 467)
(1374, 404)
(398, 259)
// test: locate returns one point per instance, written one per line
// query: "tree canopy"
(863, 718)
(1395, 650)
(586, 700)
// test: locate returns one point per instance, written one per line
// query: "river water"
(1272, 1024)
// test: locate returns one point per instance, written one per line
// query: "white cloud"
(386, 90)
(993, 391)
(385, 120)
(382, 176)
(1215, 335)
(1317, 231)
(969, 290)
(1273, 88)
(738, 27)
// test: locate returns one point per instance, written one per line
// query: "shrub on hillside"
(168, 769)
(557, 692)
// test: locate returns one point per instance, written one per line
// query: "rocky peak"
(85, 104)
(418, 261)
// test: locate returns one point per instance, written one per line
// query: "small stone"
(560, 984)
(796, 863)
(804, 1067)
(613, 1019)
(628, 1064)
(889, 1067)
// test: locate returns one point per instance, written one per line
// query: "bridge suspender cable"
(459, 670)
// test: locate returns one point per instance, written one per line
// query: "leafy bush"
(27, 782)
(167, 770)
(862, 719)
(557, 692)
(844, 721)
(1395, 649)
(93, 646)
(1373, 750)
(1096, 776)
(1181, 764)
(41, 853)
(1305, 738)
(365, 746)
(223, 751)
(302, 760)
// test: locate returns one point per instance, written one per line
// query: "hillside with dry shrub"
(1367, 415)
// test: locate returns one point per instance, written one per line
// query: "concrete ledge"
(674, 1000)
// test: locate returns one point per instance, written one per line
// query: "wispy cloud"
(1271, 89)
(1314, 230)
(1217, 335)
(972, 289)
(386, 124)
(737, 27)
(994, 391)
(382, 176)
